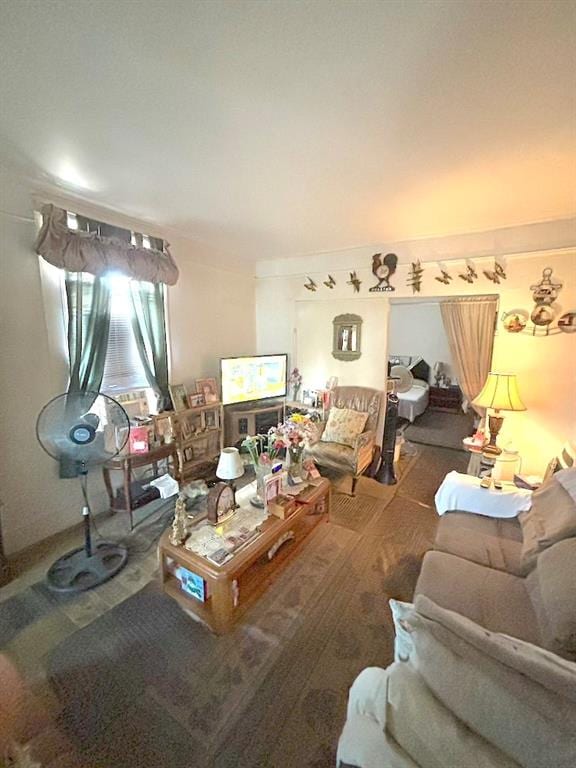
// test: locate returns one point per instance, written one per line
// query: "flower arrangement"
(297, 431)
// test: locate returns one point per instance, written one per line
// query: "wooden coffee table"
(230, 588)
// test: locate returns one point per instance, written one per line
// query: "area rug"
(445, 430)
(144, 685)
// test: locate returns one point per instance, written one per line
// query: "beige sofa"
(484, 672)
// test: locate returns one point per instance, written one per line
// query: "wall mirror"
(347, 336)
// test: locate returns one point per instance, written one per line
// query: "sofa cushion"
(487, 541)
(520, 698)
(439, 739)
(552, 516)
(552, 589)
(496, 600)
(344, 426)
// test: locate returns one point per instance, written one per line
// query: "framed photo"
(188, 454)
(210, 419)
(195, 400)
(208, 388)
(272, 488)
(179, 396)
(187, 428)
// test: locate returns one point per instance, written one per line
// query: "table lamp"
(500, 392)
(230, 467)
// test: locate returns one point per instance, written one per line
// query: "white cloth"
(463, 493)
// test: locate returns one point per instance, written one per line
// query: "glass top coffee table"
(217, 593)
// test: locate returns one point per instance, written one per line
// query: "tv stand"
(246, 419)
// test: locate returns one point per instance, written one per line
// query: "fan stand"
(88, 566)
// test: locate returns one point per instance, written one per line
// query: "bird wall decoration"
(383, 269)
(310, 285)
(355, 281)
(415, 276)
(445, 277)
(330, 283)
(470, 275)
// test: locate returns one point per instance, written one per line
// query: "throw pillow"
(551, 518)
(401, 612)
(554, 597)
(519, 697)
(344, 426)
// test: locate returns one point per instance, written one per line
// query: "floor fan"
(84, 429)
(399, 380)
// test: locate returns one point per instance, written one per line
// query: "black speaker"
(385, 474)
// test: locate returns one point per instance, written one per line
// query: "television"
(245, 379)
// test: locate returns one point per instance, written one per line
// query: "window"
(124, 376)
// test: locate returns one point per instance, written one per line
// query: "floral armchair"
(345, 458)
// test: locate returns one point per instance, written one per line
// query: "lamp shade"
(230, 465)
(500, 392)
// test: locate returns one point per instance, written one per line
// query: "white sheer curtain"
(469, 323)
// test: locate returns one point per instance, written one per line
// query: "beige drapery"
(469, 323)
(92, 252)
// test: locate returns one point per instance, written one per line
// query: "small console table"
(126, 463)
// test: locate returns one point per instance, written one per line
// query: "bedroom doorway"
(435, 410)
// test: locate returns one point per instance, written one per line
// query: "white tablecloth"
(463, 493)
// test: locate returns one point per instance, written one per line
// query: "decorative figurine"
(415, 277)
(470, 275)
(544, 294)
(330, 283)
(310, 285)
(383, 269)
(178, 533)
(355, 281)
(295, 382)
(444, 278)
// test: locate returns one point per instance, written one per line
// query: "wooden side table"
(445, 399)
(231, 587)
(126, 463)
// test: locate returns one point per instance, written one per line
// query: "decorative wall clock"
(383, 269)
(220, 503)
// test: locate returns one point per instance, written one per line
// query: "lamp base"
(494, 426)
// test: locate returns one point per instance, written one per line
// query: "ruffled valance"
(95, 253)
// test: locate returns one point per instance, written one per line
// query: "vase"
(295, 455)
(260, 470)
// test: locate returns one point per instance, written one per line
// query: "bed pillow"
(551, 518)
(344, 426)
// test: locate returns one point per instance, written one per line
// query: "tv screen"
(252, 378)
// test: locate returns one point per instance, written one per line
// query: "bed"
(414, 402)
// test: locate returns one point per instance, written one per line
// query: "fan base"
(78, 572)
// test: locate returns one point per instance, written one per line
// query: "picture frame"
(272, 488)
(187, 428)
(179, 396)
(210, 419)
(208, 388)
(195, 400)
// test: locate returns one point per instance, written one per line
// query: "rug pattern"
(145, 686)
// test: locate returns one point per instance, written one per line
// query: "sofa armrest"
(365, 440)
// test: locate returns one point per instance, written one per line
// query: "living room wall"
(210, 314)
(546, 366)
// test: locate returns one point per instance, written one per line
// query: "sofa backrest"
(362, 399)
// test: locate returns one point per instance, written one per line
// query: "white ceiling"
(268, 129)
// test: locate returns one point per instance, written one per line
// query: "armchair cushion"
(344, 426)
(333, 455)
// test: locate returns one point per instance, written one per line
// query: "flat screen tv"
(245, 379)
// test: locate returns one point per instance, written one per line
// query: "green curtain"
(88, 300)
(149, 324)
